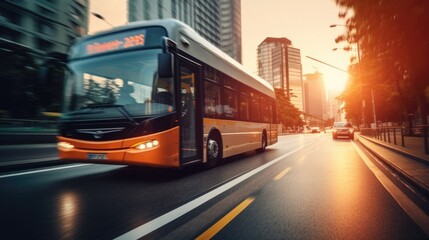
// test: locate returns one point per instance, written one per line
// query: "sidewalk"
(23, 156)
(410, 162)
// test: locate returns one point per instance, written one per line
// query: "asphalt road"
(304, 187)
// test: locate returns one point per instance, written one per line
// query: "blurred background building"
(315, 95)
(34, 35)
(43, 25)
(217, 21)
(280, 64)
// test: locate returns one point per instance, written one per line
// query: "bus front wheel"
(264, 143)
(214, 151)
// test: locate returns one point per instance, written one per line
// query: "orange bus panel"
(123, 151)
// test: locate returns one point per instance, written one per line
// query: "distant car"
(343, 129)
(315, 130)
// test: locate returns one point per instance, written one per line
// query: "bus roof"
(193, 44)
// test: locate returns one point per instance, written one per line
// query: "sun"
(335, 80)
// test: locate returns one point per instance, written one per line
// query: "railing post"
(384, 134)
(394, 135)
(402, 136)
(425, 137)
(388, 134)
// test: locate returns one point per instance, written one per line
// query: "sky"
(304, 22)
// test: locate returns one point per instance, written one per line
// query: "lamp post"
(359, 76)
(102, 18)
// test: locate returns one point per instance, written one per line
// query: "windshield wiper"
(102, 105)
(120, 108)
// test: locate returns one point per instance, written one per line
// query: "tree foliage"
(287, 114)
(394, 51)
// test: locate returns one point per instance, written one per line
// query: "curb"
(424, 191)
(26, 161)
(403, 153)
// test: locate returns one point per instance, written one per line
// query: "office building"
(44, 26)
(315, 96)
(35, 36)
(280, 64)
(218, 21)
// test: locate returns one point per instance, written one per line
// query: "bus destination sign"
(115, 42)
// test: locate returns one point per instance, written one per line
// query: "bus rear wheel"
(214, 151)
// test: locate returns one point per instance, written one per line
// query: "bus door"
(191, 127)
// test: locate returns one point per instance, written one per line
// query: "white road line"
(163, 220)
(401, 198)
(43, 170)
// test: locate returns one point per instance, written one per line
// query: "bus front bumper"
(160, 150)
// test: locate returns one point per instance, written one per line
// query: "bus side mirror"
(165, 65)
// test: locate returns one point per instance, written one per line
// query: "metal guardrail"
(392, 133)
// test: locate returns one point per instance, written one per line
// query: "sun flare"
(335, 80)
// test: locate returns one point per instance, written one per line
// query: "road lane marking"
(401, 198)
(280, 175)
(43, 170)
(213, 230)
(168, 217)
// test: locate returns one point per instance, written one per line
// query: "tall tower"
(280, 64)
(218, 21)
(230, 11)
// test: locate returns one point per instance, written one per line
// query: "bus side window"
(211, 99)
(244, 106)
(255, 107)
(230, 103)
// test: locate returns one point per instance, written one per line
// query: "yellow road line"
(213, 230)
(280, 175)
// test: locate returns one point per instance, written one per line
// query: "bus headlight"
(65, 145)
(146, 145)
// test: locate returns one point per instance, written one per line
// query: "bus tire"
(264, 143)
(214, 150)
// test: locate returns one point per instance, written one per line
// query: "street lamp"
(102, 18)
(359, 75)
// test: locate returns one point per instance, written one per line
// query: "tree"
(287, 114)
(393, 52)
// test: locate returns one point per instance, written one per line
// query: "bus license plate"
(97, 156)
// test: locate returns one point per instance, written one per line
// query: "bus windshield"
(126, 79)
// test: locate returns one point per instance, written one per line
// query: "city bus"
(155, 93)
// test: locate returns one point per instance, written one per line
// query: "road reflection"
(68, 213)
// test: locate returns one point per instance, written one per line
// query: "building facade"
(296, 85)
(315, 95)
(218, 21)
(280, 64)
(34, 40)
(46, 26)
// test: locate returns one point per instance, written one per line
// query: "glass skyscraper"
(218, 21)
(280, 64)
